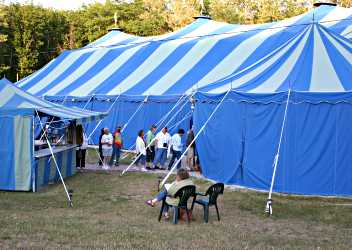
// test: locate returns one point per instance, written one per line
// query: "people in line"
(162, 140)
(141, 150)
(107, 141)
(116, 148)
(101, 156)
(169, 190)
(191, 150)
(176, 148)
(151, 149)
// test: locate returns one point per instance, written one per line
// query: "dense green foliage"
(31, 36)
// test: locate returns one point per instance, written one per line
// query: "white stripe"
(254, 73)
(347, 32)
(344, 52)
(206, 29)
(150, 64)
(58, 70)
(81, 70)
(24, 81)
(187, 62)
(231, 62)
(5, 95)
(324, 77)
(335, 16)
(280, 75)
(115, 39)
(104, 74)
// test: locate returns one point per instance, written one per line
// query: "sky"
(57, 4)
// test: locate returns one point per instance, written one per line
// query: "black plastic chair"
(183, 194)
(209, 199)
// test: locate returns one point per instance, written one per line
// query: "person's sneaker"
(144, 169)
(116, 164)
(156, 167)
(148, 168)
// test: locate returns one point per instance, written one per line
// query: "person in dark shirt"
(101, 148)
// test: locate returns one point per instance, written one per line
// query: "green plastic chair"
(209, 199)
(183, 194)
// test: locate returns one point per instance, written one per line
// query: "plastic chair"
(209, 199)
(183, 194)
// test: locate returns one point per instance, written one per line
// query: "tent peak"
(115, 29)
(324, 2)
(202, 17)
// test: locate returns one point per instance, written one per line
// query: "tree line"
(31, 36)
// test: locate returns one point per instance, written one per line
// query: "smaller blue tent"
(17, 113)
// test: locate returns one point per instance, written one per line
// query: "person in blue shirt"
(176, 148)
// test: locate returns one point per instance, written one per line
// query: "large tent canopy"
(208, 55)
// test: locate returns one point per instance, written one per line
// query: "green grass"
(109, 213)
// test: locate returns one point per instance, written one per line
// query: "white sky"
(57, 4)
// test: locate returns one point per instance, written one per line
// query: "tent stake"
(268, 207)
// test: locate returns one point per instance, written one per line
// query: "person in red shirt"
(117, 146)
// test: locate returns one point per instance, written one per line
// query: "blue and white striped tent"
(206, 55)
(196, 56)
(17, 112)
(309, 54)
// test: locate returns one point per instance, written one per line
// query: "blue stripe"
(301, 74)
(258, 80)
(7, 154)
(104, 38)
(59, 157)
(46, 171)
(94, 70)
(128, 68)
(70, 70)
(44, 73)
(161, 70)
(69, 164)
(342, 67)
(342, 25)
(267, 46)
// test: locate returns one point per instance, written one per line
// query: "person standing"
(101, 157)
(116, 148)
(151, 149)
(176, 148)
(191, 150)
(141, 149)
(162, 140)
(107, 141)
(81, 157)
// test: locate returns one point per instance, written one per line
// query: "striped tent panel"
(309, 50)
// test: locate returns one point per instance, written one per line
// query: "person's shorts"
(107, 152)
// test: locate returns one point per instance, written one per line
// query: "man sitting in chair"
(169, 191)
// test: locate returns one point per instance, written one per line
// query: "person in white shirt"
(163, 140)
(176, 148)
(107, 141)
(141, 149)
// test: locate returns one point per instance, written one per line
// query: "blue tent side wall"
(150, 111)
(16, 151)
(316, 149)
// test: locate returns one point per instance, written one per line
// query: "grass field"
(109, 213)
